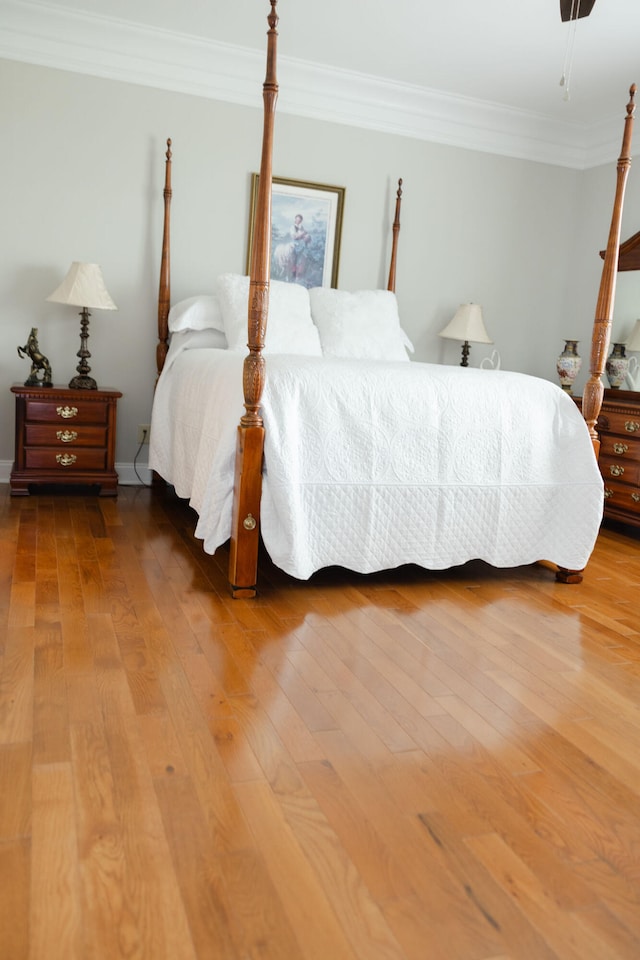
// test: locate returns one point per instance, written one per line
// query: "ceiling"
(509, 53)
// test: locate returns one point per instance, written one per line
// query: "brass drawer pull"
(616, 470)
(67, 436)
(66, 459)
(67, 412)
(631, 426)
(620, 448)
(608, 493)
(635, 497)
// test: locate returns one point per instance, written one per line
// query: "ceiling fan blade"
(579, 9)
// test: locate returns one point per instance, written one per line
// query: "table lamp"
(83, 287)
(467, 325)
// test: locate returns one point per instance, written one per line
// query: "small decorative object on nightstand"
(617, 366)
(64, 437)
(491, 363)
(83, 287)
(32, 350)
(568, 364)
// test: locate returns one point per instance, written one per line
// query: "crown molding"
(33, 32)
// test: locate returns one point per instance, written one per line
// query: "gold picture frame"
(306, 231)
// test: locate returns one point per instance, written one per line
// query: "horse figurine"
(38, 362)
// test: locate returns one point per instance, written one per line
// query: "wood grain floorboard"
(410, 765)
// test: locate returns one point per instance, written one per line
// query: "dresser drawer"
(66, 435)
(625, 424)
(620, 496)
(619, 448)
(69, 411)
(53, 458)
(619, 469)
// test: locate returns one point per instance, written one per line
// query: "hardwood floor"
(409, 766)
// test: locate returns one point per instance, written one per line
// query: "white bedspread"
(370, 465)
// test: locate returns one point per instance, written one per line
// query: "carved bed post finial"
(391, 285)
(593, 393)
(258, 305)
(164, 292)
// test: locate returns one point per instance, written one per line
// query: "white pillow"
(191, 339)
(290, 328)
(199, 339)
(364, 325)
(196, 313)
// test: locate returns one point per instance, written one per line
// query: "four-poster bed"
(345, 457)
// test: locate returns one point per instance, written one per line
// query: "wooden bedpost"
(594, 389)
(164, 292)
(245, 524)
(394, 243)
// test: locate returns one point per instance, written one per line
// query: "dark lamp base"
(83, 383)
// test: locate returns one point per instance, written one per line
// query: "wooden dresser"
(64, 437)
(618, 427)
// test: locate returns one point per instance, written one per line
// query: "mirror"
(627, 304)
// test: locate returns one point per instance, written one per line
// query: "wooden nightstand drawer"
(78, 411)
(51, 458)
(65, 438)
(78, 435)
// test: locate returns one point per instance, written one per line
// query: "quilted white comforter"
(370, 465)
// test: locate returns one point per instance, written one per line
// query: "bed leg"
(245, 524)
(563, 575)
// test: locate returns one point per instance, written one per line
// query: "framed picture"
(306, 224)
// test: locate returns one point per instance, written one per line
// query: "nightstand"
(618, 427)
(65, 437)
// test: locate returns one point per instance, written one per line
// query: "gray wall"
(82, 168)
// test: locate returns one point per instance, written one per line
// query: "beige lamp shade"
(633, 343)
(83, 286)
(467, 324)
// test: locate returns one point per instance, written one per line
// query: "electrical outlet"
(144, 429)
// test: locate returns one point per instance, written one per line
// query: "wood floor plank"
(305, 900)
(16, 685)
(51, 742)
(15, 883)
(353, 904)
(566, 933)
(56, 929)
(15, 791)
